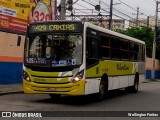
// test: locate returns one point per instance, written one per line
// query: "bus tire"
(103, 88)
(100, 95)
(54, 96)
(134, 88)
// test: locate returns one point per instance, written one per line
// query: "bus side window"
(92, 47)
(141, 53)
(88, 47)
(105, 47)
(124, 48)
(134, 48)
(92, 50)
(115, 48)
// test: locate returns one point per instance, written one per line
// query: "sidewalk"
(11, 89)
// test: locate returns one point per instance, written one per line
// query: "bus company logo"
(6, 114)
(122, 67)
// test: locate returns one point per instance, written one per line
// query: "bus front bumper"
(63, 89)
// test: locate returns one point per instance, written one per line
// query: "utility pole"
(110, 15)
(154, 43)
(137, 16)
(63, 10)
(148, 21)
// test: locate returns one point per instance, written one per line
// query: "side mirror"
(19, 40)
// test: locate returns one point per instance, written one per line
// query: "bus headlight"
(78, 76)
(26, 77)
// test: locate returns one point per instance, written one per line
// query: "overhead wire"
(102, 8)
(84, 9)
(132, 8)
(121, 12)
(124, 14)
(150, 3)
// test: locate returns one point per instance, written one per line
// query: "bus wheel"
(134, 88)
(100, 95)
(54, 96)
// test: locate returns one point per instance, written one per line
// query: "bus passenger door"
(92, 68)
(92, 56)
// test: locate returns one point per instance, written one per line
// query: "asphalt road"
(147, 99)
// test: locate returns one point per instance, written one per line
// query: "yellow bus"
(79, 58)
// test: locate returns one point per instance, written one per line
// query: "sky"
(146, 7)
(128, 7)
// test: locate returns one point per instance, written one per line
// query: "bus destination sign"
(55, 27)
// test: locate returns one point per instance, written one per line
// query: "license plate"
(50, 89)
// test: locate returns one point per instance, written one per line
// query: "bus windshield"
(54, 50)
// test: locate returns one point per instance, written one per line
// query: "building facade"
(117, 24)
(14, 18)
(148, 21)
(11, 58)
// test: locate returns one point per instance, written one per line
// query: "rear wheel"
(135, 87)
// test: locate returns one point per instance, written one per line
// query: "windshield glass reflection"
(61, 50)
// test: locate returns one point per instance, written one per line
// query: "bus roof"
(90, 25)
